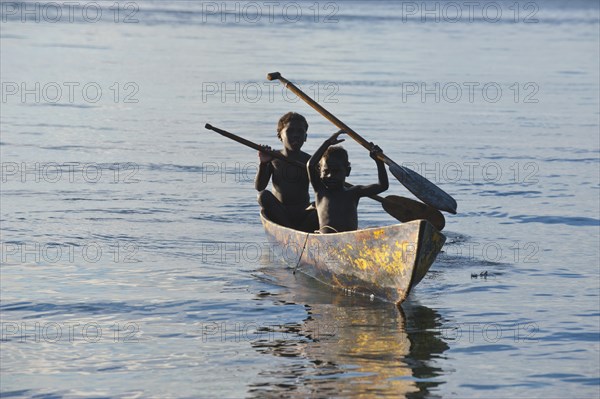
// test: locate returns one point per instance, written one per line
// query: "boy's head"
(291, 130)
(334, 167)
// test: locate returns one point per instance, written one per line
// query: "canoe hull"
(386, 262)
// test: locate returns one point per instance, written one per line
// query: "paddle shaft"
(251, 144)
(328, 115)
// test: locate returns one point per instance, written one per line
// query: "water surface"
(133, 260)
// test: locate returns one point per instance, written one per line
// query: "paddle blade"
(406, 210)
(422, 188)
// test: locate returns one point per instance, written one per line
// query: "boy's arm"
(382, 185)
(265, 170)
(312, 166)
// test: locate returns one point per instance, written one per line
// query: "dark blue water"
(133, 260)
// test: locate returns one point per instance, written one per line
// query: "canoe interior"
(386, 262)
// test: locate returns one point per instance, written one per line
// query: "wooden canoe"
(386, 262)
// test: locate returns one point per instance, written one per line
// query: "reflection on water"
(350, 346)
(423, 327)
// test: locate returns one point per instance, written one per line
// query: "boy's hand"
(375, 151)
(334, 138)
(263, 156)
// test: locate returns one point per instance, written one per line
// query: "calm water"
(133, 260)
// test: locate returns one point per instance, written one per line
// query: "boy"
(287, 204)
(336, 204)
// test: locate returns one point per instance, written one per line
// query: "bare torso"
(290, 183)
(338, 209)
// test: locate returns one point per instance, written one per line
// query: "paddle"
(422, 188)
(403, 209)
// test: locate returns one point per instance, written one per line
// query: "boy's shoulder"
(356, 190)
(280, 152)
(305, 155)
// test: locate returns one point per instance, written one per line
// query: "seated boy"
(287, 204)
(336, 204)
